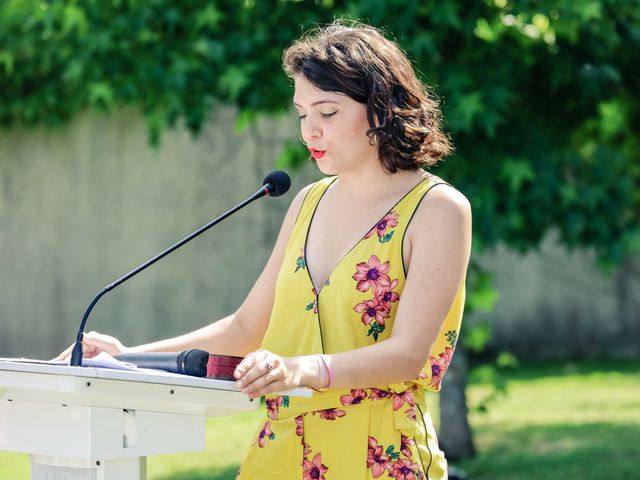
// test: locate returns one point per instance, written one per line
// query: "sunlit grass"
(573, 420)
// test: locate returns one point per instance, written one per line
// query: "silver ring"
(268, 367)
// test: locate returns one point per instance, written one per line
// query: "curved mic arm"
(76, 355)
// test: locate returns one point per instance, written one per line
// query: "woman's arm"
(236, 334)
(440, 247)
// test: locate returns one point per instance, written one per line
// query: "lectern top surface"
(140, 376)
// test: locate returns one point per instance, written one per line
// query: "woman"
(363, 294)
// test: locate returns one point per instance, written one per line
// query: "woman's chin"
(324, 167)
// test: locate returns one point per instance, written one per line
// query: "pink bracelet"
(329, 370)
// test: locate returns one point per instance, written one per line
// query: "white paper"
(102, 360)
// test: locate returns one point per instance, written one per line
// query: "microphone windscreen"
(195, 362)
(277, 182)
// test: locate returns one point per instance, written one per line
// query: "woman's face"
(334, 127)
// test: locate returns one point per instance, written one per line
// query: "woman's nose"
(310, 130)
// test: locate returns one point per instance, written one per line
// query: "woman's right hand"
(93, 343)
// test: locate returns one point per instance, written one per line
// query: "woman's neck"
(372, 181)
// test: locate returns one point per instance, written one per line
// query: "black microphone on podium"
(191, 362)
(274, 184)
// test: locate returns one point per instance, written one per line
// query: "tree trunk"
(455, 434)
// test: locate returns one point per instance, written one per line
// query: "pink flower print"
(354, 398)
(377, 394)
(411, 413)
(372, 310)
(273, 405)
(299, 426)
(405, 443)
(439, 367)
(264, 434)
(390, 220)
(331, 413)
(405, 469)
(422, 376)
(377, 461)
(372, 274)
(314, 469)
(400, 399)
(388, 297)
(306, 449)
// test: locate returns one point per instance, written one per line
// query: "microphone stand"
(76, 355)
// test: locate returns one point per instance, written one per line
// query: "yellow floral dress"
(384, 431)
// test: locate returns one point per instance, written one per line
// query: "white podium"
(83, 423)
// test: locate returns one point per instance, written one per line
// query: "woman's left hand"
(263, 372)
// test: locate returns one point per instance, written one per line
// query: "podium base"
(56, 468)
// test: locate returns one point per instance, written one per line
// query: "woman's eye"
(327, 115)
(301, 117)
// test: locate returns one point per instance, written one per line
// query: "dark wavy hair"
(357, 60)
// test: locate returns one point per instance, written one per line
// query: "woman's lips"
(316, 154)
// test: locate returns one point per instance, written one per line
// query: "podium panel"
(92, 423)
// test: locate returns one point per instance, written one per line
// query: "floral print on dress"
(373, 275)
(264, 434)
(299, 426)
(381, 460)
(399, 399)
(373, 311)
(274, 404)
(389, 221)
(378, 461)
(405, 443)
(313, 305)
(330, 413)
(439, 367)
(356, 397)
(405, 469)
(301, 263)
(314, 469)
(378, 394)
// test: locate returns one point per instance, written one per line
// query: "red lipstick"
(317, 153)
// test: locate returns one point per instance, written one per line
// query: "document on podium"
(102, 360)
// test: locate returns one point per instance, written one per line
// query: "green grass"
(567, 421)
(556, 422)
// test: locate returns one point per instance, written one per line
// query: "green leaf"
(477, 336)
(516, 173)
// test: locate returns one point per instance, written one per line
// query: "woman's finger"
(262, 381)
(64, 355)
(263, 372)
(247, 364)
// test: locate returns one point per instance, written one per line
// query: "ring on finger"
(268, 367)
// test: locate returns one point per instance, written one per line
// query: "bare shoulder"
(298, 200)
(444, 211)
(444, 200)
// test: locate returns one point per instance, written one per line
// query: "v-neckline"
(355, 245)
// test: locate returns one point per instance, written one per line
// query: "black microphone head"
(277, 183)
(194, 362)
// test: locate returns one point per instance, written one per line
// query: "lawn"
(557, 421)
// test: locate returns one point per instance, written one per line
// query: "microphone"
(191, 362)
(274, 184)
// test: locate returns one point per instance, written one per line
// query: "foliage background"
(541, 97)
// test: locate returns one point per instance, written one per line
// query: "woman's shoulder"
(444, 194)
(444, 206)
(306, 191)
